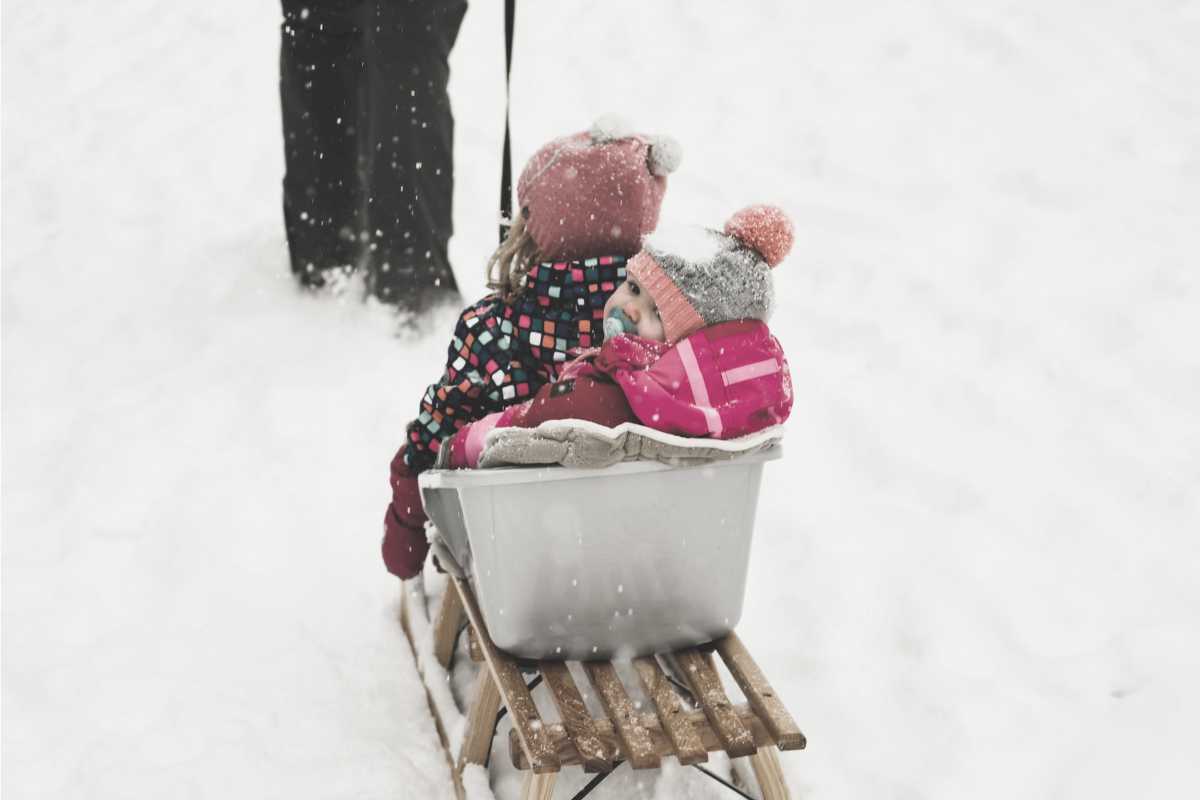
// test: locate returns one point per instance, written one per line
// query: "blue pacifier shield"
(618, 323)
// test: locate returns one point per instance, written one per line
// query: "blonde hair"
(508, 266)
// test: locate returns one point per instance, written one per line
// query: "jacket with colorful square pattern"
(501, 354)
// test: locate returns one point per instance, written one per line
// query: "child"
(585, 201)
(693, 355)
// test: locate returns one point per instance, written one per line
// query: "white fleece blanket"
(580, 443)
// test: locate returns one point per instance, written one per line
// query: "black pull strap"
(510, 13)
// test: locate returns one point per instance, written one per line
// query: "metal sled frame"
(542, 748)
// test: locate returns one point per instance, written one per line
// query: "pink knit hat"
(597, 192)
(699, 277)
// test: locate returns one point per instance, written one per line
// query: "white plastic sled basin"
(632, 559)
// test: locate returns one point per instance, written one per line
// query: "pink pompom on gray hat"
(699, 277)
(597, 192)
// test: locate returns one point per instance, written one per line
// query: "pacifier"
(617, 323)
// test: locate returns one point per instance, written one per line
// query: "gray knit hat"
(700, 277)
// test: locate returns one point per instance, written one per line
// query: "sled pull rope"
(510, 14)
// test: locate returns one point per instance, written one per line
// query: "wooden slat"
(481, 719)
(635, 739)
(769, 773)
(445, 627)
(698, 670)
(568, 755)
(762, 698)
(513, 691)
(671, 713)
(575, 716)
(538, 787)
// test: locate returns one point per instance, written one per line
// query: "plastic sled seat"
(587, 564)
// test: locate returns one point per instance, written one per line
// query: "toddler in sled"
(585, 203)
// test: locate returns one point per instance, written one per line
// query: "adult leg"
(410, 138)
(322, 92)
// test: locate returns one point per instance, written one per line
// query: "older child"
(586, 201)
(688, 350)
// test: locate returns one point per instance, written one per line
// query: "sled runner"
(616, 601)
(543, 747)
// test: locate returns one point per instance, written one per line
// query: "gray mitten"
(507, 446)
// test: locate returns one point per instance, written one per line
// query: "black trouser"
(368, 141)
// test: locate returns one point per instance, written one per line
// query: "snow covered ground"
(981, 549)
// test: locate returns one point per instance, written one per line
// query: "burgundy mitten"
(404, 544)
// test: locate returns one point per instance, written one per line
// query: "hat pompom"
(764, 229)
(665, 155)
(609, 128)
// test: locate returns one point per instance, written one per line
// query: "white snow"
(693, 243)
(975, 571)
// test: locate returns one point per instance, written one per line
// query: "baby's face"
(639, 308)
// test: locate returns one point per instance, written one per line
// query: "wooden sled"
(542, 748)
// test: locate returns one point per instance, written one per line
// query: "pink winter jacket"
(723, 381)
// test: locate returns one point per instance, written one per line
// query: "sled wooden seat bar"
(564, 749)
(762, 698)
(689, 748)
(701, 676)
(635, 739)
(687, 720)
(580, 726)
